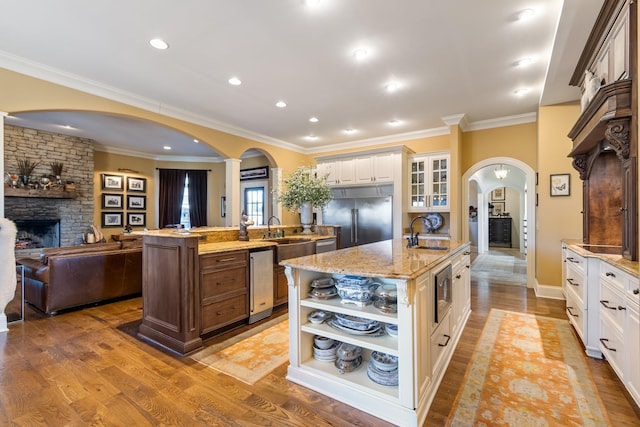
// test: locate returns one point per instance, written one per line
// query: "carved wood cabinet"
(605, 140)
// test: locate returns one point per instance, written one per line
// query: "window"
(254, 204)
(185, 218)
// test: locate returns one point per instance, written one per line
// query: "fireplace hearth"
(37, 233)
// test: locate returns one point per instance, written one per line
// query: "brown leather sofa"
(76, 276)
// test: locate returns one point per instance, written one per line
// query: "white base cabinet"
(603, 304)
(423, 348)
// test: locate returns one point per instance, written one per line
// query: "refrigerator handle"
(355, 224)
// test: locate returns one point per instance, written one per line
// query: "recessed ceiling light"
(525, 14)
(166, 147)
(159, 44)
(312, 137)
(235, 81)
(281, 104)
(523, 62)
(313, 120)
(394, 122)
(392, 86)
(521, 92)
(66, 126)
(311, 3)
(360, 54)
(350, 131)
(196, 141)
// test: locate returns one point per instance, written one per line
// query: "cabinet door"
(364, 169)
(417, 183)
(329, 170)
(280, 286)
(346, 171)
(632, 342)
(383, 167)
(439, 182)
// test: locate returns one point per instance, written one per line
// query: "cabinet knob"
(622, 209)
(636, 291)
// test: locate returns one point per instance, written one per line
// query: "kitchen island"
(427, 332)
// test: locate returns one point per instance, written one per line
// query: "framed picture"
(223, 206)
(254, 173)
(498, 208)
(136, 219)
(112, 182)
(111, 201)
(560, 184)
(137, 184)
(111, 219)
(136, 202)
(497, 194)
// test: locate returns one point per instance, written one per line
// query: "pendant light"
(501, 172)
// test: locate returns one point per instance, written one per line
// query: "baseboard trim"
(547, 291)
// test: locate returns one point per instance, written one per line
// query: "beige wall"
(517, 141)
(557, 217)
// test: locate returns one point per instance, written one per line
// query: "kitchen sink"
(293, 248)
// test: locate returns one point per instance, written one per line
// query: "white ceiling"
(451, 58)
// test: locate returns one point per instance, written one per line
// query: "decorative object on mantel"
(304, 190)
(25, 169)
(56, 170)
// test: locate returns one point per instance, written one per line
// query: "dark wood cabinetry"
(500, 231)
(224, 289)
(280, 286)
(605, 140)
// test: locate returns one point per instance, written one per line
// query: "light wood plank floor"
(78, 369)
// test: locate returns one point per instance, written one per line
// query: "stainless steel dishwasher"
(325, 245)
(260, 284)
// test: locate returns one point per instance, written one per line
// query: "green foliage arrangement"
(303, 186)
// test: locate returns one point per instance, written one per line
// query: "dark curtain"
(171, 193)
(198, 197)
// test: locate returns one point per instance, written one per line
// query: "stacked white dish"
(324, 349)
(319, 316)
(323, 289)
(356, 325)
(356, 290)
(383, 369)
(391, 329)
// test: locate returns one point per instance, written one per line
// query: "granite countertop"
(232, 245)
(389, 258)
(600, 252)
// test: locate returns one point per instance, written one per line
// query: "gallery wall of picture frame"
(114, 211)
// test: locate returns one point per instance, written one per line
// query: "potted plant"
(305, 190)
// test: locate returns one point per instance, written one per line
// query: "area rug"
(527, 370)
(251, 358)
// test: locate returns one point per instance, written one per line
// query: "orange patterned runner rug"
(252, 358)
(527, 370)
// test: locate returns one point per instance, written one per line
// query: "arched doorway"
(525, 184)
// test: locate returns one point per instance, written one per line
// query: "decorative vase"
(306, 217)
(25, 180)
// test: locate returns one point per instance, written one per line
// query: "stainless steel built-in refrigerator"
(365, 214)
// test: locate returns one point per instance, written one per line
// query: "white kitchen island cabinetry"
(423, 355)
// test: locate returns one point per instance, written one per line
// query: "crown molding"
(503, 121)
(132, 153)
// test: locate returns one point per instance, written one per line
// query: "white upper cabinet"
(429, 182)
(363, 168)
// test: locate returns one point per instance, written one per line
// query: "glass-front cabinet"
(429, 182)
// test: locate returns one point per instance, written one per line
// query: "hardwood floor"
(80, 368)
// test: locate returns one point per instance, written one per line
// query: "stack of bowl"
(324, 349)
(383, 369)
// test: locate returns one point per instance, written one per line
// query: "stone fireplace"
(74, 216)
(37, 233)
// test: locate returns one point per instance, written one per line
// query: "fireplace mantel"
(42, 194)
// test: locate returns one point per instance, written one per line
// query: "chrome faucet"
(412, 240)
(269, 224)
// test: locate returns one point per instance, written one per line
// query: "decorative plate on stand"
(432, 222)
